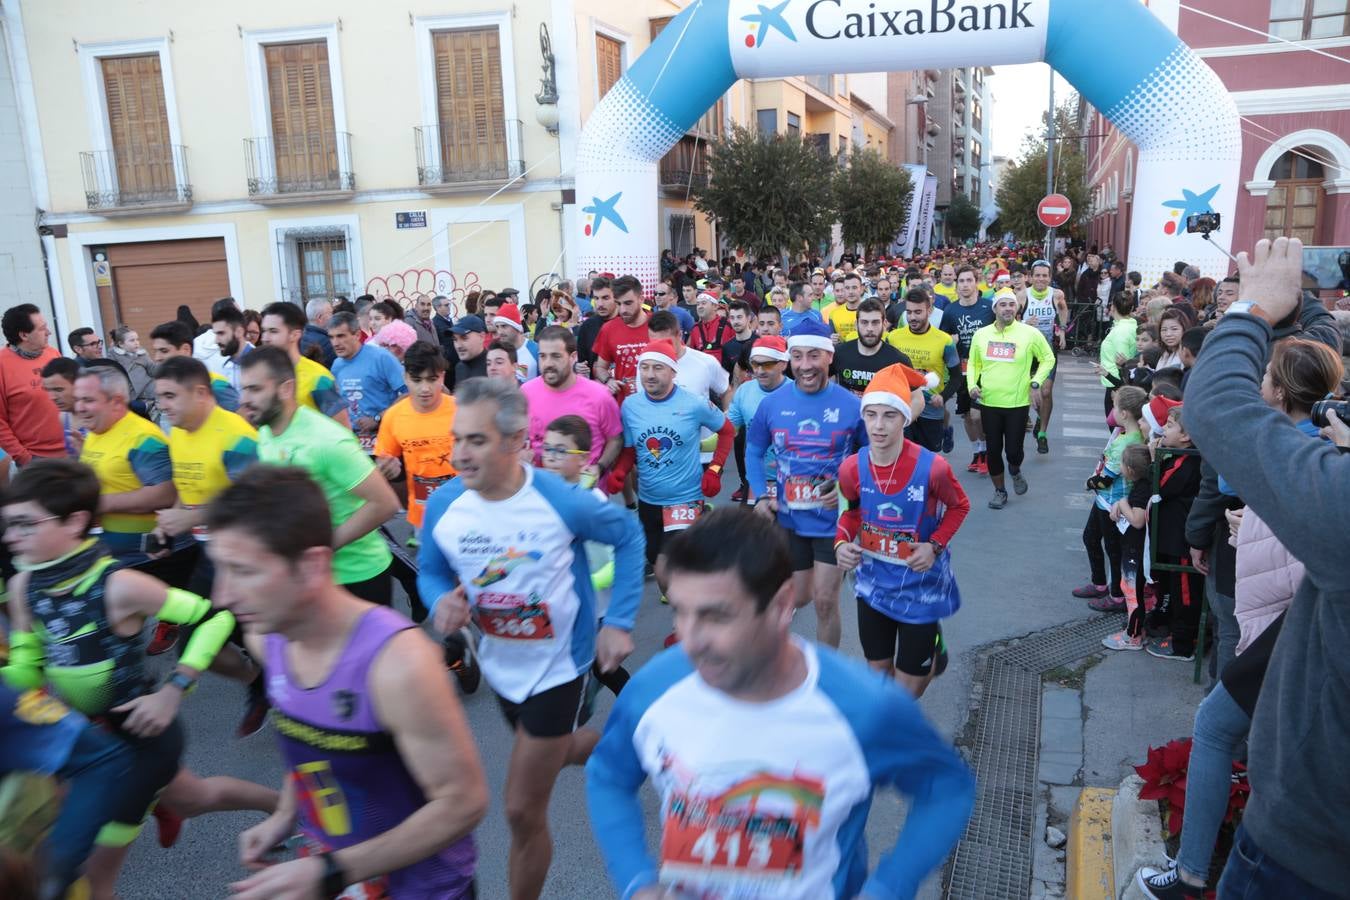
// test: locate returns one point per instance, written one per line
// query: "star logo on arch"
(1190, 204)
(768, 17)
(599, 211)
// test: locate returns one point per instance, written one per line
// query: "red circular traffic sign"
(1054, 210)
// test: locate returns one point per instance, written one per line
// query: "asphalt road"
(1015, 568)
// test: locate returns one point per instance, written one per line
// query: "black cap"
(467, 324)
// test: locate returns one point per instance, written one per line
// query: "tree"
(963, 217)
(1022, 185)
(770, 195)
(873, 197)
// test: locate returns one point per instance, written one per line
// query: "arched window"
(1294, 204)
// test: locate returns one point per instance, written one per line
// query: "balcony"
(137, 181)
(684, 168)
(299, 168)
(455, 157)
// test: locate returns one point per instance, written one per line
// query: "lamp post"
(547, 112)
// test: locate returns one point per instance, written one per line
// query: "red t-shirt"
(942, 488)
(620, 344)
(30, 423)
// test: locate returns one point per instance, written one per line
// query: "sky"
(1021, 95)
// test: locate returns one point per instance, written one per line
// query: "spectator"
(1224, 294)
(583, 296)
(29, 425)
(501, 362)
(86, 346)
(1202, 298)
(252, 326)
(443, 321)
(563, 311)
(419, 317)
(1192, 339)
(231, 332)
(1174, 287)
(1171, 327)
(317, 314)
(471, 347)
(396, 337)
(135, 362)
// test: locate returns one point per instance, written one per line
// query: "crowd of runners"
(245, 496)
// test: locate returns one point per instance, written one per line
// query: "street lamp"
(547, 98)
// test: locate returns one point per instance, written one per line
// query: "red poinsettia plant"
(1164, 777)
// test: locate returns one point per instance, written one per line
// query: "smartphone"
(152, 543)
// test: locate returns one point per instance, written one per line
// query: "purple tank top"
(350, 782)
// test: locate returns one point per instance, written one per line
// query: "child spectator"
(1178, 485)
(1110, 487)
(1130, 515)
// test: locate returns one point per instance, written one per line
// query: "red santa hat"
(770, 347)
(662, 352)
(899, 387)
(510, 314)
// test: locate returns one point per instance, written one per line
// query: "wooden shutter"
(138, 122)
(303, 130)
(469, 102)
(608, 62)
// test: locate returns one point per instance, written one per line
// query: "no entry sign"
(1054, 210)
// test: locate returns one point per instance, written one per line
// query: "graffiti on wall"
(402, 287)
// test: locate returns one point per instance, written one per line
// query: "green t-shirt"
(333, 457)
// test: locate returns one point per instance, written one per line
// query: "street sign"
(1054, 210)
(416, 219)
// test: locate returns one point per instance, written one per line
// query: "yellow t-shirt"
(845, 322)
(205, 461)
(316, 388)
(925, 350)
(943, 291)
(127, 457)
(425, 443)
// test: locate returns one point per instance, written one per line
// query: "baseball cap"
(467, 324)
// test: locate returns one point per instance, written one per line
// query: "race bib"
(964, 364)
(513, 617)
(711, 847)
(805, 492)
(367, 442)
(886, 545)
(680, 516)
(1001, 350)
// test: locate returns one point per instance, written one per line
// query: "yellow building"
(182, 152)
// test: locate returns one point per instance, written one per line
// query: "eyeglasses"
(91, 345)
(555, 450)
(26, 527)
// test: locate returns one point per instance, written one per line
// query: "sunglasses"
(555, 450)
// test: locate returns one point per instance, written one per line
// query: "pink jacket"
(1267, 577)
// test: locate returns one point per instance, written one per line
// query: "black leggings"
(1099, 531)
(738, 447)
(1005, 429)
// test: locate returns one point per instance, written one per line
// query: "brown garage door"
(150, 280)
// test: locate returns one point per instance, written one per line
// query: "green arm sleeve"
(24, 670)
(186, 608)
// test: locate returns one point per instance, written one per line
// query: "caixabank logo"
(1189, 204)
(601, 211)
(766, 19)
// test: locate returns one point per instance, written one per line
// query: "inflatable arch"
(1144, 79)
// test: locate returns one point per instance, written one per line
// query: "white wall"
(22, 277)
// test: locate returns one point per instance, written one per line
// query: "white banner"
(905, 241)
(927, 205)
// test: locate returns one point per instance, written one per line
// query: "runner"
(843, 317)
(415, 436)
(662, 425)
(765, 750)
(58, 382)
(602, 310)
(699, 374)
(930, 350)
(961, 320)
(558, 391)
(174, 339)
(76, 624)
(502, 543)
(511, 332)
(622, 339)
(948, 287)
(712, 331)
(227, 325)
(904, 507)
(358, 497)
(812, 426)
(857, 360)
(383, 779)
(768, 365)
(282, 326)
(1001, 357)
(367, 375)
(1045, 309)
(800, 295)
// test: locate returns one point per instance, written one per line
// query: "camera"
(1318, 415)
(1202, 223)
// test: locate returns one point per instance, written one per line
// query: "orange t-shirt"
(425, 442)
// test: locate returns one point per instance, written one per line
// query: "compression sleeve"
(26, 658)
(726, 437)
(186, 608)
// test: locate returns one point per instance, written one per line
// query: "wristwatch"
(1250, 308)
(715, 468)
(334, 879)
(937, 546)
(181, 681)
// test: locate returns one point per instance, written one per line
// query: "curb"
(1089, 861)
(1137, 839)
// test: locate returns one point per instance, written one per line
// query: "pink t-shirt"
(588, 399)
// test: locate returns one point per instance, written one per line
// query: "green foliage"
(963, 217)
(769, 194)
(873, 197)
(1022, 184)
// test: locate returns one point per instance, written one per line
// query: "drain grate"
(994, 857)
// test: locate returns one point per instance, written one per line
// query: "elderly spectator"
(419, 317)
(442, 321)
(396, 337)
(29, 424)
(317, 314)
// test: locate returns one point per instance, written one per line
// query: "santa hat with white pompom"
(899, 386)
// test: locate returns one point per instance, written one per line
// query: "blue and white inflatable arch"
(1149, 84)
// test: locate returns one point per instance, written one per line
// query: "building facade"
(1293, 92)
(23, 275)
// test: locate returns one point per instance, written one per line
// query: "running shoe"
(999, 501)
(1019, 483)
(1122, 641)
(162, 640)
(739, 495)
(948, 439)
(255, 713)
(462, 659)
(982, 467)
(1164, 648)
(412, 543)
(169, 823)
(1165, 884)
(648, 572)
(1037, 427)
(974, 464)
(1090, 591)
(1042, 445)
(1107, 604)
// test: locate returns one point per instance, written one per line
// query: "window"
(470, 107)
(324, 270)
(608, 62)
(1294, 204)
(1301, 20)
(300, 100)
(138, 125)
(976, 116)
(681, 235)
(766, 121)
(794, 124)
